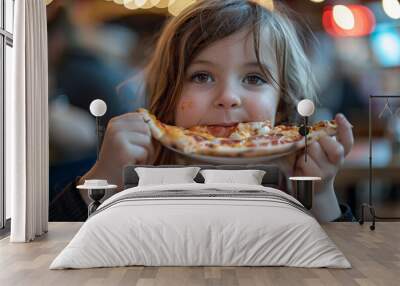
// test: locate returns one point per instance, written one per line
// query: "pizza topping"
(229, 141)
(199, 138)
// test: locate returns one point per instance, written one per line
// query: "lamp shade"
(305, 107)
(98, 107)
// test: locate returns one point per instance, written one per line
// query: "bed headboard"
(272, 178)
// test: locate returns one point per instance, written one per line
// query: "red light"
(364, 22)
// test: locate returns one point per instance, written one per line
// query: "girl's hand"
(326, 155)
(127, 140)
(324, 159)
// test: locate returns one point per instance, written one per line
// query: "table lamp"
(96, 188)
(305, 108)
(304, 186)
(98, 108)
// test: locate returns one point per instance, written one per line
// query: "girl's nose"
(227, 99)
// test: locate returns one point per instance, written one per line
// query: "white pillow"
(248, 177)
(163, 176)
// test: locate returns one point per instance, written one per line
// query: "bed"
(201, 224)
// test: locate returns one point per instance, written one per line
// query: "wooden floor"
(375, 256)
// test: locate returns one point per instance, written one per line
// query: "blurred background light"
(130, 4)
(343, 17)
(144, 4)
(179, 5)
(392, 8)
(154, 3)
(385, 43)
(140, 3)
(317, 1)
(364, 22)
(163, 3)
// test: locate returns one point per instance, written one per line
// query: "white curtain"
(27, 153)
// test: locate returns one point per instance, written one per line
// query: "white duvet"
(200, 231)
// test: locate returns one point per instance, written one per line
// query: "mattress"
(201, 225)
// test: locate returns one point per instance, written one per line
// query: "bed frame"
(272, 178)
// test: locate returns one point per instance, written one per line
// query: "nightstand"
(304, 189)
(97, 190)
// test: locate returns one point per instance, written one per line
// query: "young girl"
(218, 63)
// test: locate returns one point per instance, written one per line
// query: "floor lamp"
(97, 188)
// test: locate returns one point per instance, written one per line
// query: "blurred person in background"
(82, 67)
(337, 85)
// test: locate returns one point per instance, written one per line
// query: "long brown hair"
(208, 21)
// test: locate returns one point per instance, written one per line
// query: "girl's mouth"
(222, 130)
(228, 124)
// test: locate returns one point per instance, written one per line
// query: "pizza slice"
(241, 140)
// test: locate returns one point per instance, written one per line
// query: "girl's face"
(224, 85)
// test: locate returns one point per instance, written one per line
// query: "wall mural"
(175, 88)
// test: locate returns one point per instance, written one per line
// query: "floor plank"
(374, 255)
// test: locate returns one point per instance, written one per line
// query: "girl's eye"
(254, 80)
(201, 77)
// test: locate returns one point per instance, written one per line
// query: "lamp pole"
(307, 130)
(98, 108)
(305, 108)
(98, 133)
